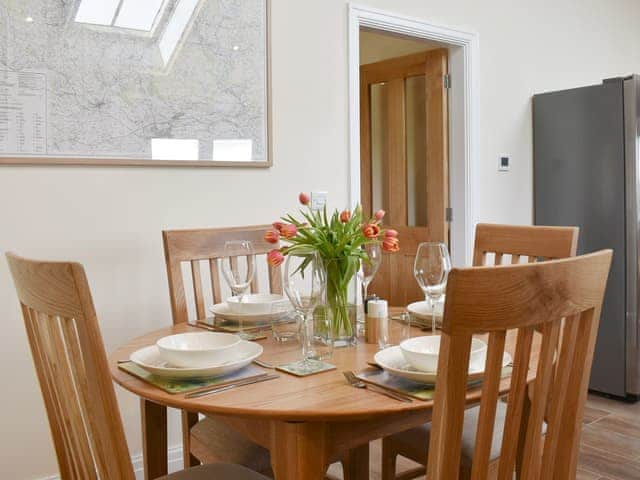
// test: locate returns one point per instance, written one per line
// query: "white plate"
(222, 311)
(422, 310)
(392, 360)
(257, 304)
(149, 358)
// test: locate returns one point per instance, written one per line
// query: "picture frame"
(212, 150)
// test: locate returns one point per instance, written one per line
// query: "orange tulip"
(275, 257)
(345, 215)
(371, 230)
(390, 244)
(272, 236)
(289, 230)
(391, 233)
(304, 198)
(379, 215)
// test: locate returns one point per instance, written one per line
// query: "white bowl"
(255, 303)
(392, 360)
(199, 349)
(150, 359)
(422, 352)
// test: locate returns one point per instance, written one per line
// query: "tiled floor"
(610, 440)
(610, 443)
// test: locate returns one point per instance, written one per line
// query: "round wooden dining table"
(305, 422)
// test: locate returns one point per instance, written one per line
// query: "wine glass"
(238, 268)
(431, 268)
(370, 266)
(305, 283)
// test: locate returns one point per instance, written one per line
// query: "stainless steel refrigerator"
(586, 173)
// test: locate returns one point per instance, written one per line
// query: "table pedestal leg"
(189, 419)
(299, 450)
(154, 439)
(355, 463)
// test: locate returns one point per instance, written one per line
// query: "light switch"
(504, 164)
(318, 200)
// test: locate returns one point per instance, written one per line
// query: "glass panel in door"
(416, 150)
(379, 144)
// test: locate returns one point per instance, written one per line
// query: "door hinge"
(447, 81)
(449, 214)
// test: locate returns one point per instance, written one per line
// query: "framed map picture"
(135, 82)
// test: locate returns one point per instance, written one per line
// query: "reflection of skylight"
(174, 149)
(98, 12)
(175, 28)
(236, 150)
(138, 14)
(133, 14)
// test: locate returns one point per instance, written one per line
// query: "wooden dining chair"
(189, 253)
(71, 365)
(559, 300)
(494, 245)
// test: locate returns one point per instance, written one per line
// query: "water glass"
(405, 320)
(370, 266)
(285, 322)
(368, 270)
(305, 283)
(431, 269)
(383, 332)
(238, 269)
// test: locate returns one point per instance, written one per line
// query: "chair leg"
(189, 419)
(389, 456)
(465, 473)
(355, 463)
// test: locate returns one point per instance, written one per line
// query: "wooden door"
(404, 160)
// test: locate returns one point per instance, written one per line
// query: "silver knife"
(239, 383)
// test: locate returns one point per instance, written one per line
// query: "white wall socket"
(318, 200)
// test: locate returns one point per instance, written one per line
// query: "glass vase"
(340, 308)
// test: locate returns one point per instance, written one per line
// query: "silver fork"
(357, 383)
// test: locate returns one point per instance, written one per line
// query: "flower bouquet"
(338, 240)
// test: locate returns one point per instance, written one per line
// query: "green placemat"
(412, 388)
(398, 384)
(222, 322)
(183, 385)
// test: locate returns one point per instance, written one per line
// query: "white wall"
(110, 218)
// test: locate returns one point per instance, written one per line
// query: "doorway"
(449, 181)
(404, 148)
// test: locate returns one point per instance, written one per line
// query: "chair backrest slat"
(541, 393)
(72, 369)
(515, 409)
(214, 272)
(535, 299)
(192, 247)
(569, 421)
(449, 395)
(197, 288)
(560, 390)
(488, 404)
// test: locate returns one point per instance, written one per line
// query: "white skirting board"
(174, 463)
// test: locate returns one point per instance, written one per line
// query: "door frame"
(463, 113)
